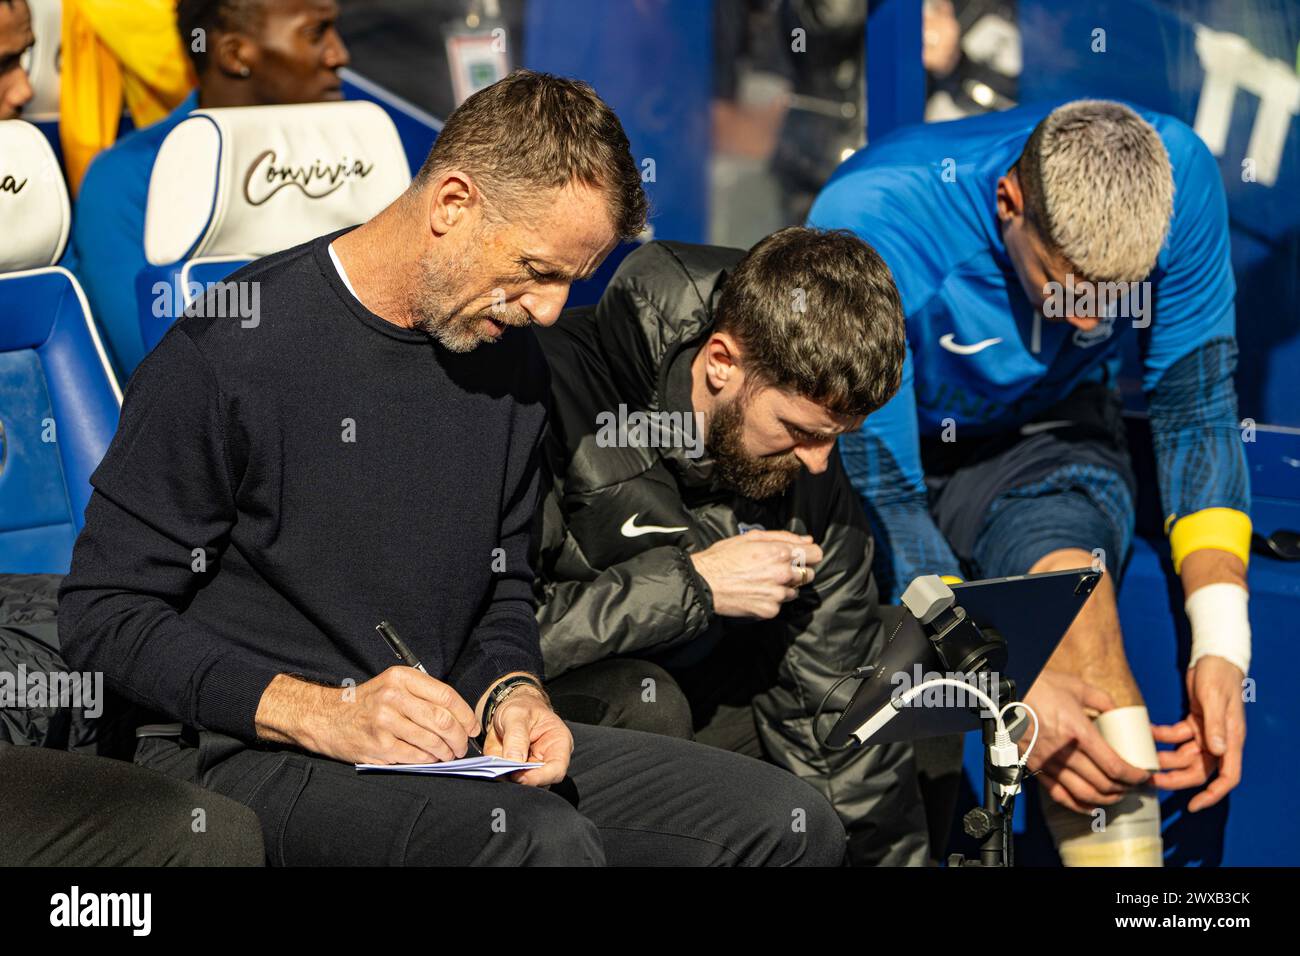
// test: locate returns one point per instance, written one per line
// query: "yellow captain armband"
(1223, 529)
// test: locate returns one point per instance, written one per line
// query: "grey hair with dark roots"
(1099, 188)
(816, 312)
(531, 132)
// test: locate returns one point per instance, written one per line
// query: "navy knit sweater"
(275, 489)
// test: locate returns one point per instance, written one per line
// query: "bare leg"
(1093, 651)
(1093, 648)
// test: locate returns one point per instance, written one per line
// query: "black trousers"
(639, 695)
(64, 809)
(623, 692)
(630, 799)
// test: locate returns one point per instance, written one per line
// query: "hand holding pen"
(407, 657)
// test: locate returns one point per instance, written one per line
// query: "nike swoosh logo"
(947, 342)
(631, 529)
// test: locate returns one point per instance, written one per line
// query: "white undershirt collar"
(342, 272)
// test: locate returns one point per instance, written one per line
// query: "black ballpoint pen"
(407, 657)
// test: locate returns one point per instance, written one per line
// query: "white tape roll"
(1128, 731)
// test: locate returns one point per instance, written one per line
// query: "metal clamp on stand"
(961, 645)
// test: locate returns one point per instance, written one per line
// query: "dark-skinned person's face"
(15, 39)
(762, 437)
(491, 273)
(295, 52)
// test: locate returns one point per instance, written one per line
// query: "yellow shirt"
(115, 50)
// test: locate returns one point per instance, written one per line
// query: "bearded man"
(745, 571)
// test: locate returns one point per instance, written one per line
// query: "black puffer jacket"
(29, 645)
(610, 587)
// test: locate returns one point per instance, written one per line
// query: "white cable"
(1032, 713)
(984, 698)
(1002, 751)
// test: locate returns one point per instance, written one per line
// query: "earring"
(245, 72)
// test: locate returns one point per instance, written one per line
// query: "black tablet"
(1032, 612)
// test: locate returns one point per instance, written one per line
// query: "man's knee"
(878, 795)
(223, 833)
(824, 839)
(173, 822)
(1065, 559)
(1053, 532)
(792, 825)
(540, 830)
(626, 693)
(652, 701)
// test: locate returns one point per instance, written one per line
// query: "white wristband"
(1220, 624)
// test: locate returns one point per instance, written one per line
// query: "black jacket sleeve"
(652, 601)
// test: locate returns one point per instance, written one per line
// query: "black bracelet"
(503, 690)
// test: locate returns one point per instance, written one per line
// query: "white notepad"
(485, 768)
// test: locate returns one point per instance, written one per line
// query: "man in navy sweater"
(276, 490)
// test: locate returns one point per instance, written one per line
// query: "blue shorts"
(1062, 481)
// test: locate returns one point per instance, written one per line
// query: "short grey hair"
(1099, 189)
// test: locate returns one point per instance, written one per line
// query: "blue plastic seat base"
(59, 405)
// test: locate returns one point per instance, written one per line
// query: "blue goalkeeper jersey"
(982, 359)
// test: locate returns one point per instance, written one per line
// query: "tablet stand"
(991, 822)
(965, 648)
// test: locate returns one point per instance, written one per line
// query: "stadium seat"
(59, 399)
(43, 69)
(231, 185)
